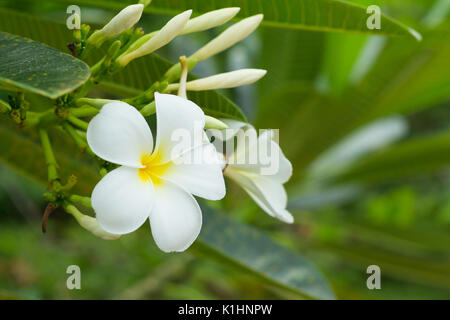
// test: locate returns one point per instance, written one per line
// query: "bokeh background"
(365, 121)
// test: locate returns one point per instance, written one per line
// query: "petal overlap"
(120, 134)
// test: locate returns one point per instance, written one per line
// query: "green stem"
(174, 72)
(50, 160)
(85, 111)
(84, 90)
(85, 201)
(149, 109)
(77, 122)
(96, 103)
(79, 141)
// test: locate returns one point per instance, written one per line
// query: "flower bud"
(160, 39)
(229, 37)
(210, 20)
(96, 103)
(90, 223)
(223, 80)
(213, 123)
(123, 21)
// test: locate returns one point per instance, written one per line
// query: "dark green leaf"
(27, 65)
(256, 252)
(406, 77)
(316, 15)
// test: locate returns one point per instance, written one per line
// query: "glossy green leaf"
(27, 65)
(408, 77)
(316, 15)
(405, 77)
(256, 252)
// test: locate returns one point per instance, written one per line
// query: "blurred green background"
(365, 121)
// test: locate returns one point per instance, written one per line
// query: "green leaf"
(256, 252)
(408, 77)
(299, 62)
(27, 65)
(316, 15)
(405, 77)
(401, 160)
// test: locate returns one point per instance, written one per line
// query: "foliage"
(387, 205)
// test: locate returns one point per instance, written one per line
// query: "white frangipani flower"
(154, 182)
(159, 39)
(224, 80)
(248, 168)
(121, 22)
(210, 20)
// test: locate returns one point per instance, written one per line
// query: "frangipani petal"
(176, 218)
(199, 171)
(122, 201)
(262, 156)
(179, 126)
(120, 134)
(269, 194)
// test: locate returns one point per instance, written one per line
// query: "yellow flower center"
(153, 169)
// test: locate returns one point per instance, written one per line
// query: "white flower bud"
(210, 20)
(223, 80)
(91, 224)
(123, 21)
(213, 123)
(160, 39)
(229, 37)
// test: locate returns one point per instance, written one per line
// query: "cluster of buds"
(182, 24)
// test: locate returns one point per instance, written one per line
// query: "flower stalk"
(78, 122)
(52, 166)
(79, 141)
